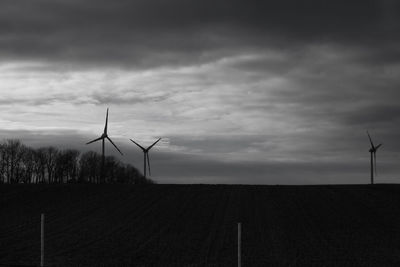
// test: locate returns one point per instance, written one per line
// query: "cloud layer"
(242, 92)
(153, 33)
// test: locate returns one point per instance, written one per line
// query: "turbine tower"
(103, 137)
(146, 157)
(373, 150)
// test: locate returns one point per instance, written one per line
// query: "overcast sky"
(259, 92)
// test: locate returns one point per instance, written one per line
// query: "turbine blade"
(370, 140)
(148, 163)
(114, 145)
(138, 145)
(105, 127)
(378, 146)
(375, 163)
(97, 139)
(153, 144)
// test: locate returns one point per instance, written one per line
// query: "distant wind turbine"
(103, 137)
(146, 155)
(373, 150)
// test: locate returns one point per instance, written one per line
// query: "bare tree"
(111, 167)
(90, 167)
(51, 154)
(28, 165)
(67, 165)
(13, 156)
(3, 163)
(71, 157)
(39, 165)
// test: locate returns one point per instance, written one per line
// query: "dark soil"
(196, 225)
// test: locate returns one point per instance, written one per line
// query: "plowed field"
(196, 225)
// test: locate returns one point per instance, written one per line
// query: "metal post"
(42, 241)
(239, 244)
(102, 178)
(372, 169)
(144, 159)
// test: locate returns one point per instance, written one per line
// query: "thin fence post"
(42, 240)
(239, 244)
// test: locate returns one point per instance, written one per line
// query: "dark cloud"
(381, 115)
(37, 138)
(153, 33)
(216, 143)
(40, 100)
(104, 98)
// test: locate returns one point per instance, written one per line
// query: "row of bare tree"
(23, 164)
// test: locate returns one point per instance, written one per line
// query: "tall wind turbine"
(102, 138)
(373, 150)
(146, 155)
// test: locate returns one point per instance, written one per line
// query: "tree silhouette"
(12, 159)
(22, 164)
(51, 154)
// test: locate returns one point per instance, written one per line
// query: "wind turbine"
(373, 150)
(146, 155)
(103, 137)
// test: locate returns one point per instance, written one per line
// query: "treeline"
(23, 164)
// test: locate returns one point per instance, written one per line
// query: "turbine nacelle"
(373, 147)
(373, 150)
(105, 136)
(146, 155)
